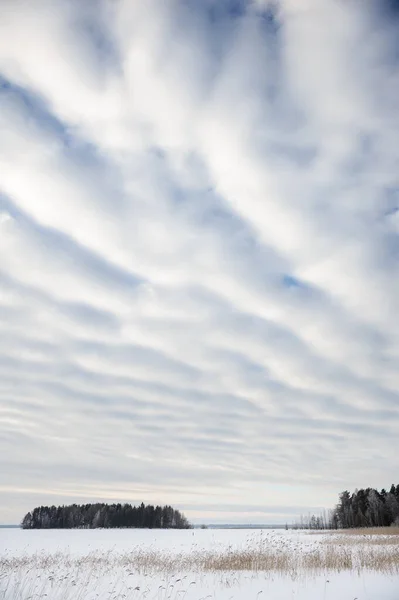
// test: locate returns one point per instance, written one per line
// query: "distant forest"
(92, 516)
(362, 508)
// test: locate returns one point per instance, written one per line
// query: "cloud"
(198, 253)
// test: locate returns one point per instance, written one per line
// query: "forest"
(92, 516)
(362, 508)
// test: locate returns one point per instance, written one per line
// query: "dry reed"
(62, 576)
(339, 553)
(369, 531)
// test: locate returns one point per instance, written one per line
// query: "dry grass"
(369, 531)
(340, 553)
(113, 575)
(367, 537)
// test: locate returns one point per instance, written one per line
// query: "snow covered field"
(196, 565)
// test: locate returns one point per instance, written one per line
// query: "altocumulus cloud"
(199, 253)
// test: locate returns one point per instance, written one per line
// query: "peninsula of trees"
(92, 516)
(368, 508)
(362, 508)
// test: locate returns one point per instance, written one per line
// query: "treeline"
(92, 516)
(363, 508)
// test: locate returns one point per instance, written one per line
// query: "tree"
(375, 508)
(104, 515)
(364, 508)
(343, 509)
(392, 507)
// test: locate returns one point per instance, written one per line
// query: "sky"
(199, 254)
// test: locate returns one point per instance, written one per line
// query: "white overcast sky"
(199, 253)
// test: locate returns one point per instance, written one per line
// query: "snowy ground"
(195, 565)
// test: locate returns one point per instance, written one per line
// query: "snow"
(105, 564)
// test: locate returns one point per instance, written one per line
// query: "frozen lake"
(194, 565)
